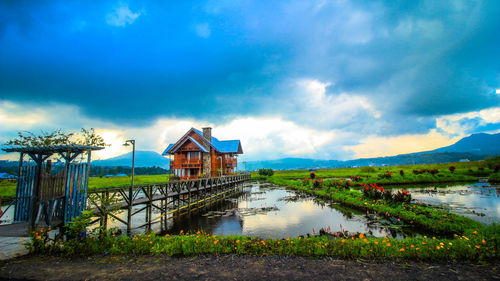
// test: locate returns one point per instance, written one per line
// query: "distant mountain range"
(142, 159)
(474, 147)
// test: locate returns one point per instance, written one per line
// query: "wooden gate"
(62, 196)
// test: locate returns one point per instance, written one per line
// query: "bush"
(174, 178)
(402, 173)
(402, 196)
(452, 169)
(386, 175)
(373, 191)
(368, 169)
(433, 171)
(312, 175)
(318, 183)
(266, 172)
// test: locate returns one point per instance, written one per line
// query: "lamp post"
(130, 190)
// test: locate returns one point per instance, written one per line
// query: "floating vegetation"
(240, 212)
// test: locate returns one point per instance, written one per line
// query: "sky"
(312, 79)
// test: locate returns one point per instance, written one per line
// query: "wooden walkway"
(167, 198)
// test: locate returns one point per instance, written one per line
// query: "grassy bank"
(474, 246)
(412, 174)
(430, 219)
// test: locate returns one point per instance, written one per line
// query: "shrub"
(386, 175)
(496, 168)
(174, 178)
(367, 169)
(480, 168)
(452, 169)
(402, 196)
(355, 178)
(312, 175)
(306, 182)
(373, 191)
(402, 173)
(433, 171)
(318, 183)
(266, 172)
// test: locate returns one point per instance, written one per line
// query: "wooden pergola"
(57, 198)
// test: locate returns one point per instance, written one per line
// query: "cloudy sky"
(317, 79)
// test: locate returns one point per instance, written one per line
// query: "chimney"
(207, 133)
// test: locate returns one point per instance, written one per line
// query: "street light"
(130, 190)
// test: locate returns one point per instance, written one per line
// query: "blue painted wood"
(24, 193)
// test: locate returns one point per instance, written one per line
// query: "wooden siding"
(182, 163)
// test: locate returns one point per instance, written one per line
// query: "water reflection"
(286, 218)
(479, 203)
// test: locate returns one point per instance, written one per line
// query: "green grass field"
(8, 187)
(464, 171)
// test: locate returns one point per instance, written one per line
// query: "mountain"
(142, 159)
(479, 144)
(474, 147)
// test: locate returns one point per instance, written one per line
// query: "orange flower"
(402, 249)
(477, 246)
(437, 247)
(215, 242)
(417, 249)
(150, 242)
(475, 232)
(364, 240)
(388, 244)
(361, 235)
(412, 246)
(198, 232)
(343, 240)
(238, 241)
(376, 243)
(483, 241)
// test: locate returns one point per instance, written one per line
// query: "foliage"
(318, 183)
(99, 171)
(402, 196)
(174, 178)
(386, 175)
(452, 169)
(312, 175)
(402, 173)
(373, 191)
(266, 172)
(477, 245)
(367, 169)
(57, 137)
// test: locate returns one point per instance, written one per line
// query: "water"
(263, 211)
(476, 202)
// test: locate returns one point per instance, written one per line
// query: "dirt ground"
(234, 268)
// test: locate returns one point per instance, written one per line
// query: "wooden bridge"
(171, 197)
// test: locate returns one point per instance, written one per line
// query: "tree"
(57, 137)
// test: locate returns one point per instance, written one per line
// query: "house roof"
(226, 146)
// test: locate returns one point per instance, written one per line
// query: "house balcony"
(192, 163)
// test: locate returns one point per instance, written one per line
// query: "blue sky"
(320, 79)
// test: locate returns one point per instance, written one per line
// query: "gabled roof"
(172, 149)
(226, 146)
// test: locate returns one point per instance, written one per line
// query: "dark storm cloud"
(411, 60)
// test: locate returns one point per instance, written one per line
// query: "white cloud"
(122, 16)
(376, 146)
(313, 105)
(498, 91)
(456, 124)
(203, 30)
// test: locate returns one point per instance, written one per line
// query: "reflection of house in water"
(198, 153)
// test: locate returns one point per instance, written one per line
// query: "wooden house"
(199, 154)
